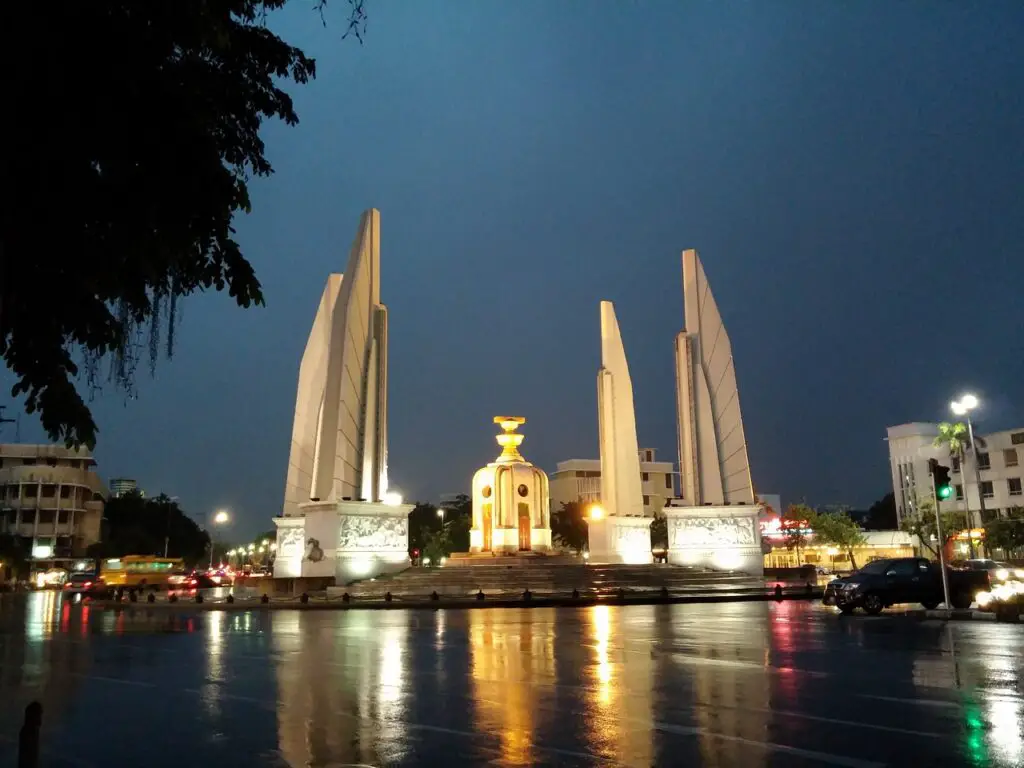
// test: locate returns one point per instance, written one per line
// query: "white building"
(50, 497)
(580, 480)
(121, 486)
(1001, 464)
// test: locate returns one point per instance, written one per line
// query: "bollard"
(575, 593)
(28, 738)
(778, 591)
(172, 599)
(621, 593)
(664, 591)
(346, 597)
(303, 598)
(151, 598)
(434, 595)
(526, 595)
(199, 597)
(133, 596)
(387, 597)
(265, 599)
(230, 599)
(480, 594)
(118, 595)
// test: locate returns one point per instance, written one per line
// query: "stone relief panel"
(291, 542)
(634, 538)
(712, 532)
(374, 533)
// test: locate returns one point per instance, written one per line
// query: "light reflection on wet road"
(731, 684)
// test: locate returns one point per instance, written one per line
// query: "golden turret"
(510, 440)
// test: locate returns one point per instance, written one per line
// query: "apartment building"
(50, 497)
(580, 480)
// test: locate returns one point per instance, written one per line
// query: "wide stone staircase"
(545, 579)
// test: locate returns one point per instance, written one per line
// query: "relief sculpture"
(364, 532)
(712, 532)
(291, 542)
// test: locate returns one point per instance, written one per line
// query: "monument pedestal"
(614, 539)
(347, 540)
(726, 538)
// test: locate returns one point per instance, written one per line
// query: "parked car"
(82, 584)
(882, 583)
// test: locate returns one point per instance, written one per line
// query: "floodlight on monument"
(392, 499)
(596, 512)
(273, 546)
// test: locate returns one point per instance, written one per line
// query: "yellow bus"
(134, 571)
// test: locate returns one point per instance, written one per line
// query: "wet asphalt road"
(732, 684)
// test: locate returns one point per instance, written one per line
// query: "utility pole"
(941, 542)
(2, 419)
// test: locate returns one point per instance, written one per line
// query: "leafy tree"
(13, 555)
(423, 520)
(922, 525)
(569, 526)
(882, 514)
(794, 524)
(837, 529)
(659, 532)
(954, 437)
(134, 525)
(116, 216)
(1006, 533)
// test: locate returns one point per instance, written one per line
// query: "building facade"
(1000, 461)
(121, 486)
(51, 498)
(580, 480)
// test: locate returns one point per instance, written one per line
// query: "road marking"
(121, 680)
(921, 702)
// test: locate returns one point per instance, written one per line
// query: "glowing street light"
(221, 517)
(596, 512)
(963, 407)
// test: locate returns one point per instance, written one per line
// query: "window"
(650, 455)
(956, 464)
(902, 568)
(983, 461)
(62, 516)
(49, 491)
(1013, 485)
(986, 489)
(647, 500)
(28, 462)
(1010, 457)
(31, 491)
(959, 492)
(989, 515)
(45, 516)
(65, 491)
(1017, 438)
(645, 476)
(668, 481)
(580, 473)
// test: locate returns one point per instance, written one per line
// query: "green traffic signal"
(944, 492)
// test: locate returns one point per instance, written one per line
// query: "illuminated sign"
(777, 528)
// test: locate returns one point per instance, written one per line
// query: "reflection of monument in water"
(512, 669)
(339, 701)
(339, 519)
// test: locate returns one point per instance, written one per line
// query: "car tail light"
(87, 584)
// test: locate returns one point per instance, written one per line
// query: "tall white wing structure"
(712, 446)
(339, 434)
(621, 491)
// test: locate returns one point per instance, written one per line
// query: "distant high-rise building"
(580, 480)
(120, 486)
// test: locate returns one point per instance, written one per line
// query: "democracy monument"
(340, 521)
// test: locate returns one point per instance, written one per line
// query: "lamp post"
(963, 407)
(220, 517)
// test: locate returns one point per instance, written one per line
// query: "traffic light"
(940, 476)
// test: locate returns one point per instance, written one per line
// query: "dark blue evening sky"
(851, 173)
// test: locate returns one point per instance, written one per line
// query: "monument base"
(724, 538)
(346, 540)
(505, 541)
(617, 539)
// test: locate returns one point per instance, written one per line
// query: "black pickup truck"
(882, 583)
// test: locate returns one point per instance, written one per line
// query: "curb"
(469, 603)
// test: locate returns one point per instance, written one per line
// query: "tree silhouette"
(138, 130)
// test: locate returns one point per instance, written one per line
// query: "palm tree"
(957, 438)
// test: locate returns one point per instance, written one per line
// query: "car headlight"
(850, 587)
(1019, 573)
(1002, 574)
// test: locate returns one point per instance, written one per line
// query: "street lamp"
(963, 407)
(440, 514)
(220, 517)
